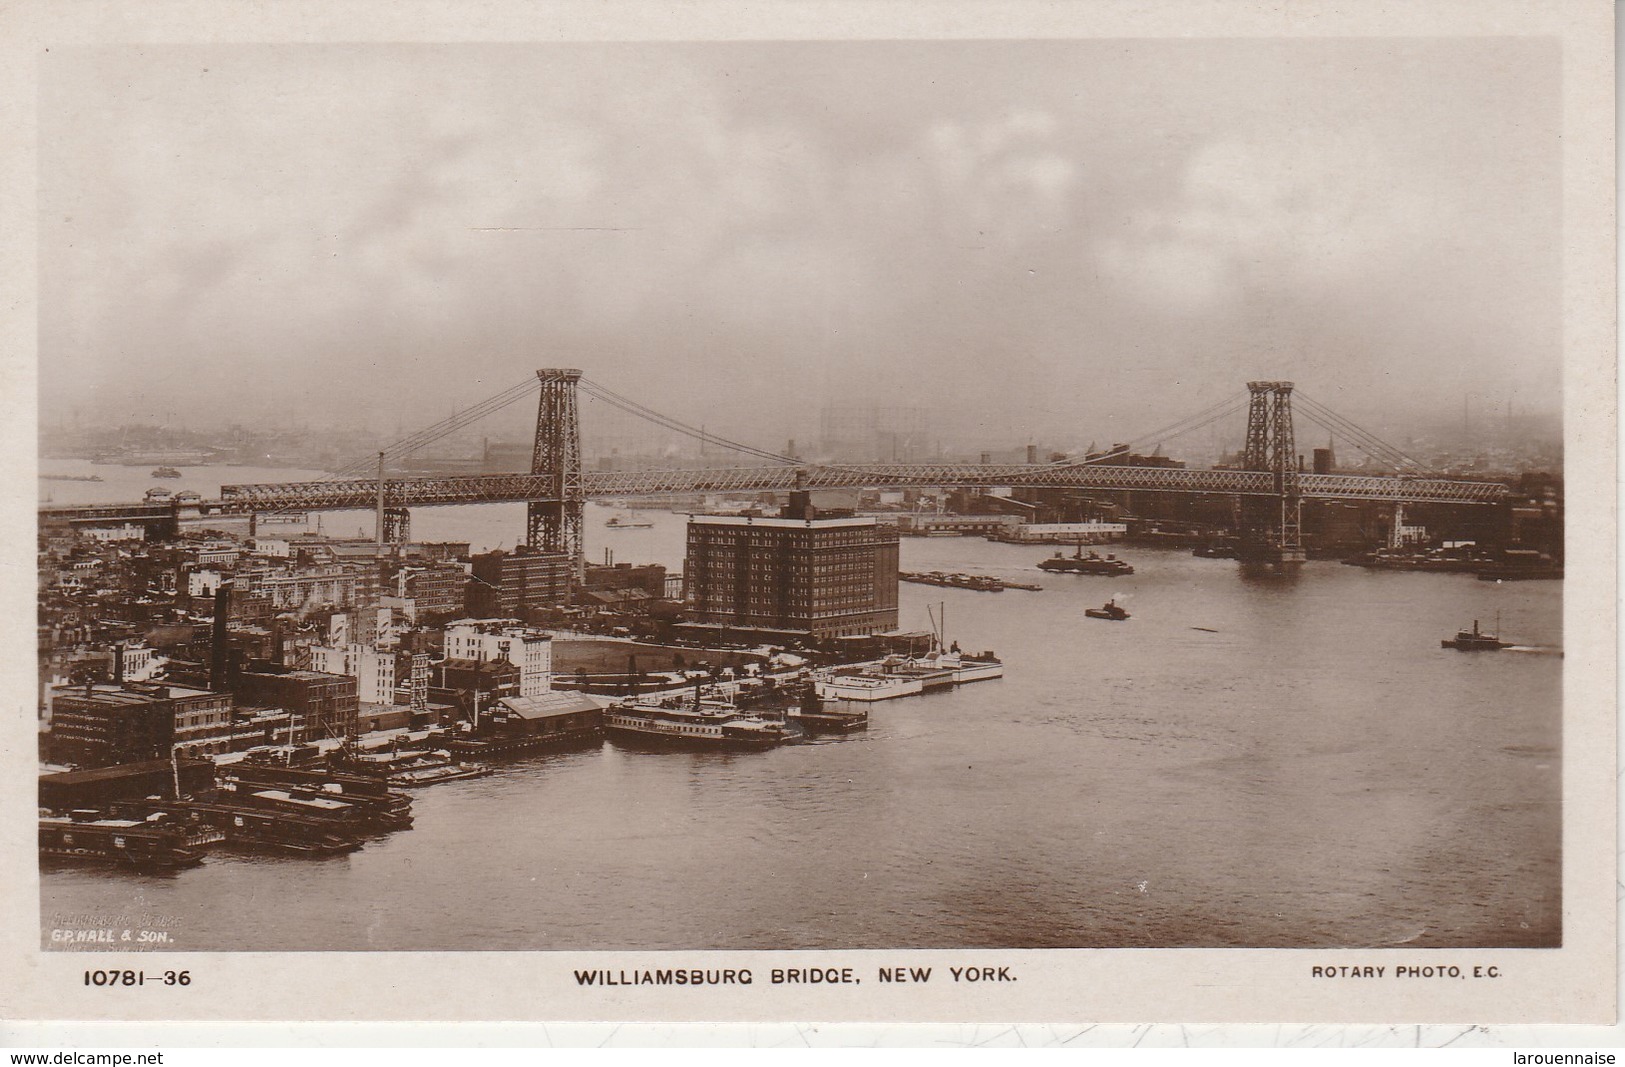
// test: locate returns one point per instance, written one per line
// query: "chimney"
(217, 649)
(1032, 453)
(276, 641)
(800, 506)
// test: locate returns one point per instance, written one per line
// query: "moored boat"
(680, 724)
(823, 719)
(405, 766)
(381, 809)
(155, 841)
(866, 685)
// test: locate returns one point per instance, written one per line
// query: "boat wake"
(1534, 650)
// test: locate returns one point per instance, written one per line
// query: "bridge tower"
(1272, 527)
(397, 526)
(555, 524)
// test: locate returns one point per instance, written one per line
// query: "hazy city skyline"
(1105, 234)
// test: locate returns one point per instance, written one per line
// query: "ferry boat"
(626, 522)
(1474, 640)
(157, 841)
(1093, 563)
(683, 725)
(1110, 611)
(405, 767)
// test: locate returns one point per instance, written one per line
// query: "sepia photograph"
(655, 502)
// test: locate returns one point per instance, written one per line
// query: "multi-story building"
(649, 578)
(438, 589)
(108, 724)
(324, 705)
(530, 650)
(798, 573)
(305, 588)
(373, 671)
(506, 583)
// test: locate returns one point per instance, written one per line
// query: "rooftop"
(778, 523)
(546, 705)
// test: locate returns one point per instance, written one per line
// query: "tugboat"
(1093, 563)
(1474, 640)
(1109, 611)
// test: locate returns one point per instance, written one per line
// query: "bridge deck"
(361, 493)
(499, 488)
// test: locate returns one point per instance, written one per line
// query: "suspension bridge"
(1270, 485)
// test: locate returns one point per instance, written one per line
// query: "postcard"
(1001, 512)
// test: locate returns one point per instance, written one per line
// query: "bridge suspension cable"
(632, 407)
(456, 421)
(1363, 439)
(1191, 423)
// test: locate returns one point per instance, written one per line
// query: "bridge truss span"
(362, 493)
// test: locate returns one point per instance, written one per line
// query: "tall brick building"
(798, 572)
(504, 584)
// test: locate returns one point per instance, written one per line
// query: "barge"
(158, 841)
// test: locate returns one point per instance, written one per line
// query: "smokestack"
(276, 641)
(217, 649)
(1032, 453)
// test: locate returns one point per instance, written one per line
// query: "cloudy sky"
(1101, 234)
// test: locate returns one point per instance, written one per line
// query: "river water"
(1309, 768)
